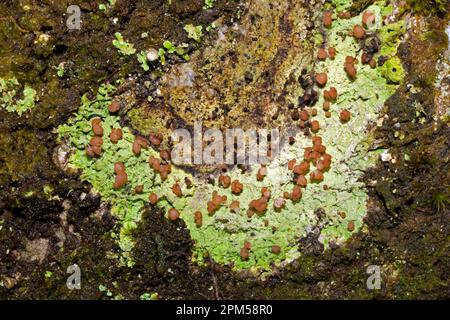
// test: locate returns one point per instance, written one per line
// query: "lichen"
(364, 97)
(126, 204)
(194, 32)
(125, 48)
(12, 101)
(393, 71)
(142, 58)
(391, 36)
(223, 234)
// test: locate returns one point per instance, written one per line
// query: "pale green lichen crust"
(223, 234)
(15, 99)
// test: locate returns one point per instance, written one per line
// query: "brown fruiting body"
(301, 181)
(332, 53)
(296, 194)
(153, 198)
(234, 206)
(119, 167)
(321, 79)
(358, 32)
(322, 54)
(350, 69)
(138, 144)
(320, 148)
(139, 189)
(165, 155)
(115, 135)
(156, 139)
(114, 107)
(304, 115)
(245, 254)
(365, 58)
(176, 189)
(96, 142)
(351, 226)
(198, 219)
(349, 59)
(291, 164)
(316, 176)
(368, 18)
(260, 205)
(120, 181)
(121, 176)
(216, 202)
(344, 15)
(224, 181)
(237, 187)
(327, 19)
(173, 214)
(276, 249)
(97, 127)
(262, 173)
(315, 126)
(164, 171)
(317, 140)
(345, 116)
(154, 163)
(333, 93)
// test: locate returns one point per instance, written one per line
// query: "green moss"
(441, 200)
(428, 6)
(209, 4)
(415, 285)
(48, 190)
(154, 122)
(148, 296)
